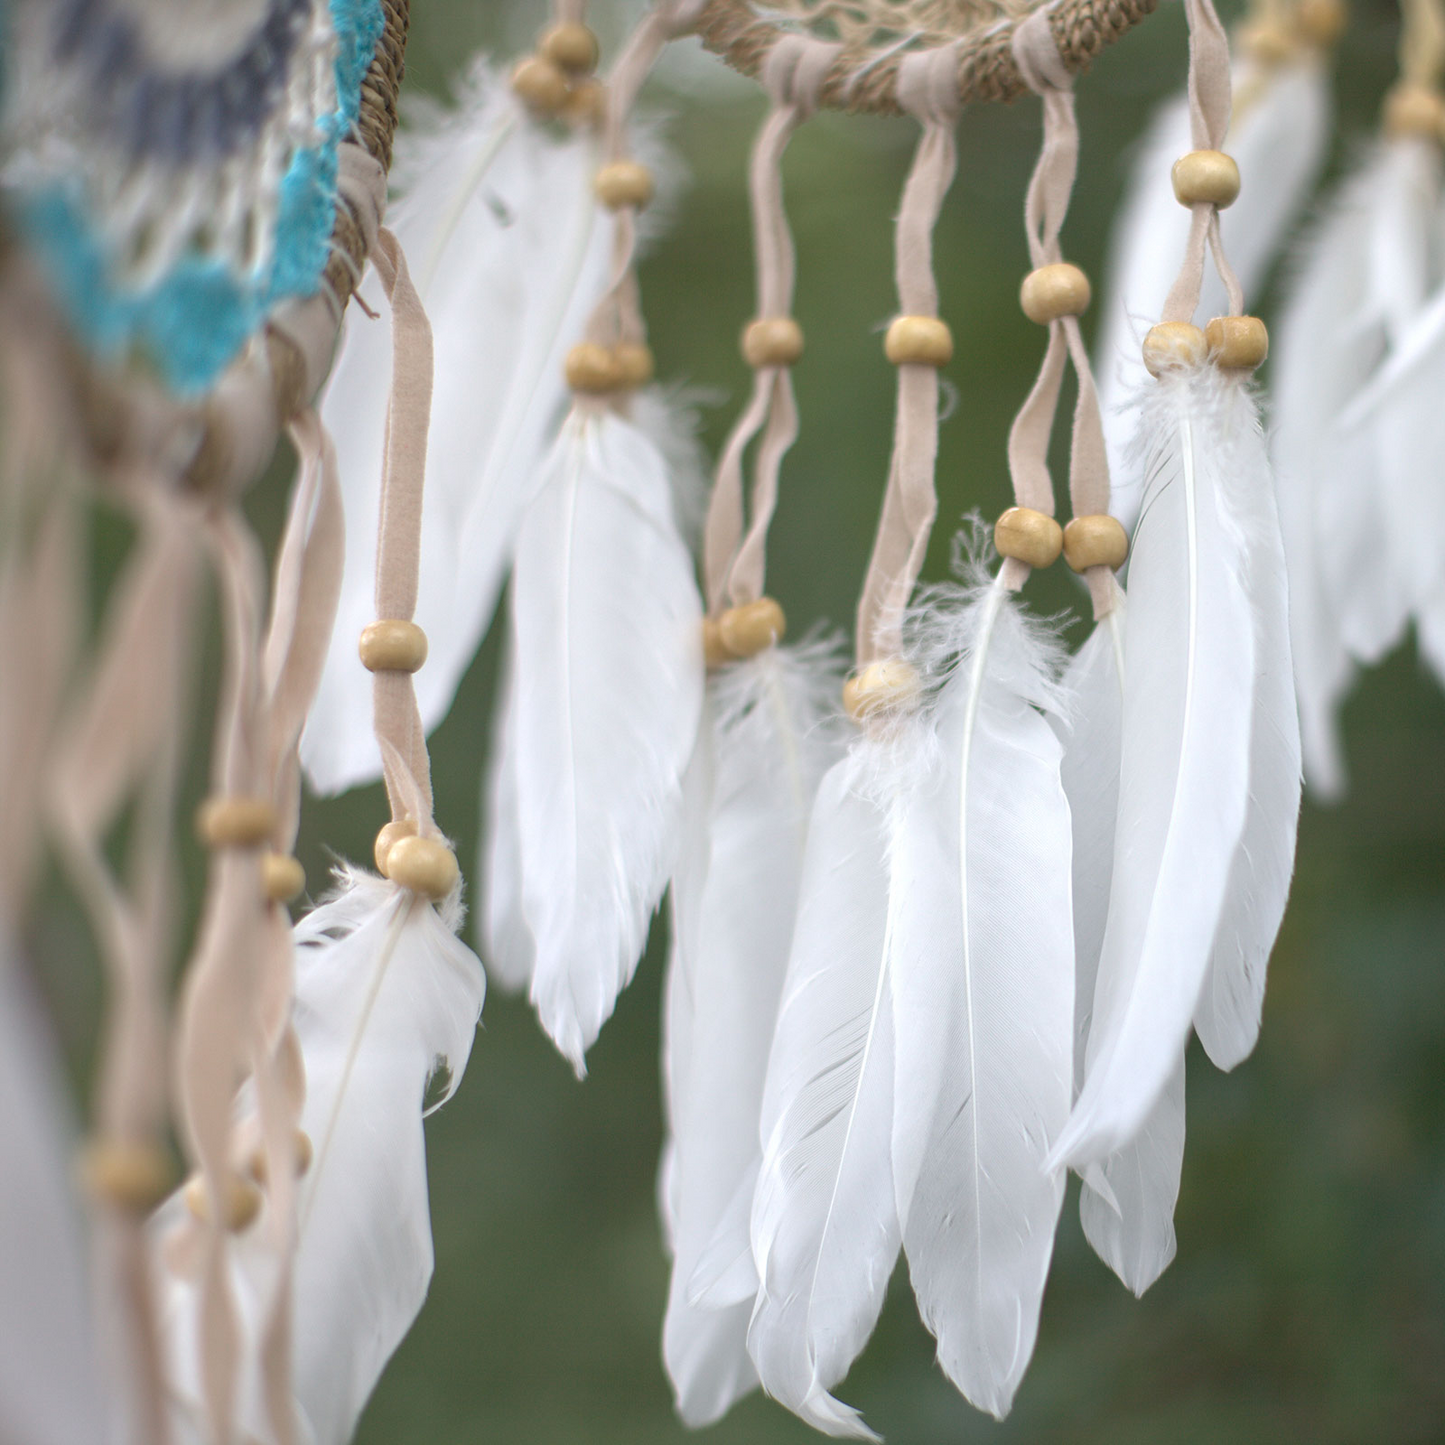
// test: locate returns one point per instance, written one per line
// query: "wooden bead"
(592, 369)
(392, 645)
(918, 341)
(424, 865)
(1206, 178)
(128, 1175)
(1174, 346)
(714, 654)
(1267, 42)
(235, 822)
(885, 686)
(1097, 541)
(1414, 110)
(240, 1201)
(540, 85)
(623, 183)
(283, 877)
(390, 834)
(1053, 292)
(302, 1152)
(1321, 22)
(634, 363)
(1028, 536)
(772, 341)
(570, 46)
(747, 630)
(1237, 343)
(586, 103)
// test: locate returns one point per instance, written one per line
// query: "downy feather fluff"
(509, 251)
(387, 1002)
(606, 689)
(982, 974)
(767, 737)
(1279, 137)
(1190, 897)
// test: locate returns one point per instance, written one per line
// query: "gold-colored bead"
(1206, 178)
(634, 363)
(240, 1201)
(128, 1175)
(302, 1152)
(235, 822)
(392, 645)
(886, 686)
(1028, 536)
(570, 46)
(593, 370)
(1053, 292)
(1174, 346)
(424, 865)
(1414, 110)
(1266, 42)
(772, 341)
(389, 835)
(1096, 541)
(745, 631)
(714, 653)
(282, 876)
(623, 183)
(539, 85)
(1321, 22)
(586, 103)
(1237, 343)
(918, 341)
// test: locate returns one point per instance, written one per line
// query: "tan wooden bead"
(1237, 343)
(714, 654)
(593, 370)
(918, 341)
(586, 103)
(772, 341)
(1267, 42)
(235, 822)
(1028, 536)
(540, 85)
(1321, 22)
(126, 1174)
(240, 1201)
(1174, 346)
(1414, 110)
(747, 630)
(282, 877)
(389, 835)
(392, 645)
(886, 686)
(302, 1152)
(1053, 292)
(634, 363)
(570, 46)
(624, 183)
(424, 865)
(1096, 541)
(1206, 178)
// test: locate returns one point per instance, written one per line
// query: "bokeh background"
(1307, 1302)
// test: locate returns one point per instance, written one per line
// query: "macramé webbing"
(1037, 56)
(927, 89)
(734, 565)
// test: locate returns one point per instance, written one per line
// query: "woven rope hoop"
(865, 76)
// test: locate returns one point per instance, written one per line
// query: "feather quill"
(511, 253)
(606, 692)
(765, 743)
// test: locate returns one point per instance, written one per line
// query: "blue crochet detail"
(194, 320)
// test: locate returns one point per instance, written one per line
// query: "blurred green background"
(1308, 1298)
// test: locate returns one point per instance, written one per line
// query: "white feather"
(1127, 1202)
(825, 1227)
(607, 686)
(763, 747)
(387, 1001)
(1189, 666)
(509, 251)
(983, 990)
(1278, 138)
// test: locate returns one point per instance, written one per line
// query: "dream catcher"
(942, 923)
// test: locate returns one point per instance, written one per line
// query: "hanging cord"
(917, 343)
(734, 564)
(1055, 294)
